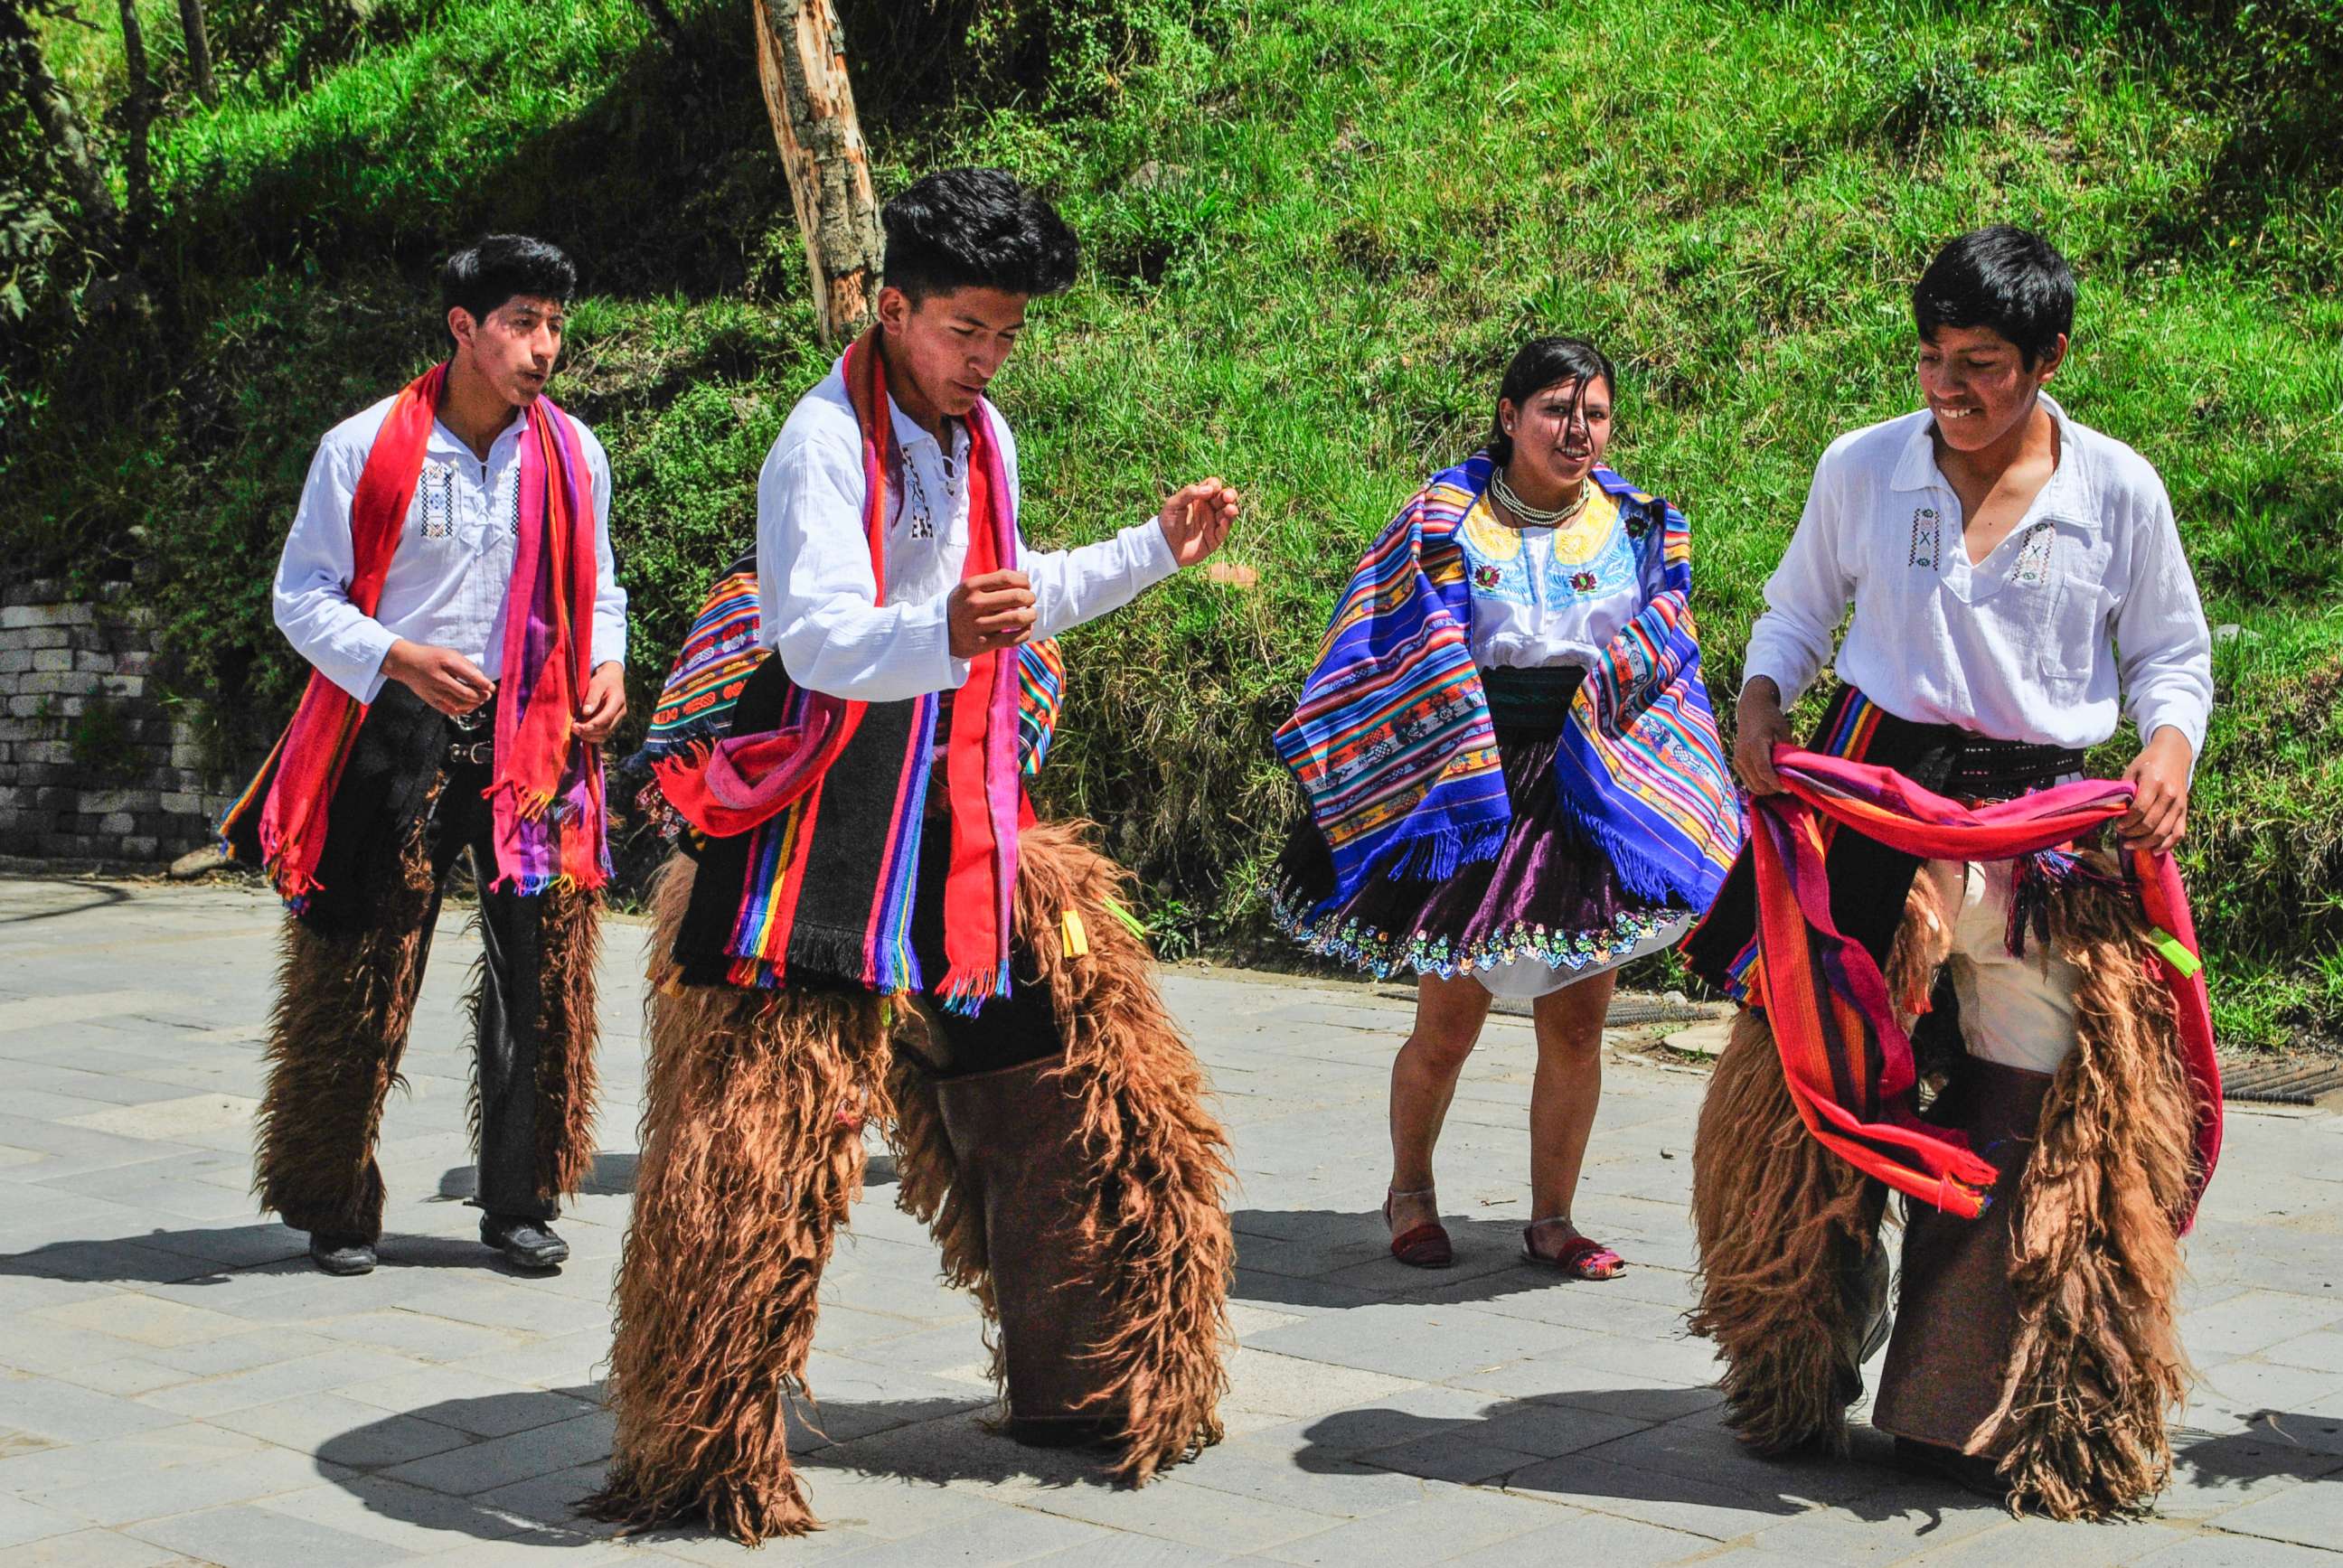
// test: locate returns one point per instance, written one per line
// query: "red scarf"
(546, 786)
(745, 781)
(1827, 1003)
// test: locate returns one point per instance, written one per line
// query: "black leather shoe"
(1972, 1472)
(341, 1254)
(525, 1244)
(1064, 1432)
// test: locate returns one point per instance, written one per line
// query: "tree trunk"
(61, 123)
(801, 60)
(199, 49)
(138, 118)
(664, 19)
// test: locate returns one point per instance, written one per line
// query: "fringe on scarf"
(746, 1170)
(2097, 1363)
(1782, 1223)
(1153, 1209)
(345, 1002)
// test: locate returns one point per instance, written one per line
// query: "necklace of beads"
(1535, 517)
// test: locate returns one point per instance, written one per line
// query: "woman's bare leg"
(1448, 1018)
(1564, 1097)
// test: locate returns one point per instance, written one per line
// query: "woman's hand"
(1760, 726)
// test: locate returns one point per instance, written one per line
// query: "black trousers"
(1008, 1030)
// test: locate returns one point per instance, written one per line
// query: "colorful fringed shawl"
(831, 871)
(723, 649)
(1847, 1060)
(1392, 744)
(546, 785)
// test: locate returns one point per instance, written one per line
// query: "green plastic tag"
(1129, 921)
(2183, 961)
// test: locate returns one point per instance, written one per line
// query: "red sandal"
(1582, 1257)
(1424, 1246)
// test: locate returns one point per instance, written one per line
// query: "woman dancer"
(1513, 775)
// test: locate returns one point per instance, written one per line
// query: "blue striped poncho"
(1394, 751)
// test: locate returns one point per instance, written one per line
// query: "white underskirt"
(1529, 977)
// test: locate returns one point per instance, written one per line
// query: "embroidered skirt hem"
(1548, 897)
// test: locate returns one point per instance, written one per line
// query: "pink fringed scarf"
(1828, 1003)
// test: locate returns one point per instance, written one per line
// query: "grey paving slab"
(88, 1549)
(247, 1537)
(177, 1385)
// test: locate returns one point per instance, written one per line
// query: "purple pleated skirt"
(1549, 909)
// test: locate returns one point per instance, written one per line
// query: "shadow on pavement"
(220, 1254)
(1631, 1444)
(97, 898)
(613, 1176)
(1333, 1258)
(2279, 1443)
(514, 1466)
(1638, 1444)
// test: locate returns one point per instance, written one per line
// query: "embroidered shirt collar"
(442, 436)
(2067, 497)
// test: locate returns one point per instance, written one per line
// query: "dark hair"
(482, 276)
(976, 228)
(1538, 365)
(2005, 278)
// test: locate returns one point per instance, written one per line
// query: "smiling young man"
(448, 578)
(866, 915)
(2017, 584)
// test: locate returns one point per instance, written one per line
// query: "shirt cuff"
(2183, 717)
(1758, 667)
(1148, 552)
(355, 664)
(926, 632)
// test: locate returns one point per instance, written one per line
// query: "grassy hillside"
(1316, 231)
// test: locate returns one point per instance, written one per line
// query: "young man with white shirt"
(866, 917)
(2016, 581)
(448, 578)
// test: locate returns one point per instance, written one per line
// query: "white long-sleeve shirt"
(452, 570)
(816, 597)
(2087, 602)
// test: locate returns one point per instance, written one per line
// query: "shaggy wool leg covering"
(344, 1004)
(747, 1168)
(569, 944)
(2097, 1361)
(1152, 1215)
(566, 945)
(1783, 1223)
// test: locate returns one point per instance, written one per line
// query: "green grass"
(1316, 231)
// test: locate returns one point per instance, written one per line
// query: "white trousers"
(2017, 1011)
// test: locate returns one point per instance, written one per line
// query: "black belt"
(474, 740)
(1535, 698)
(1985, 769)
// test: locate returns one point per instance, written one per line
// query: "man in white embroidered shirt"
(448, 578)
(2015, 577)
(868, 914)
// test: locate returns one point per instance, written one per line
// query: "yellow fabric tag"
(1078, 936)
(2182, 960)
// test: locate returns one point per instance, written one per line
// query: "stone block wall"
(93, 764)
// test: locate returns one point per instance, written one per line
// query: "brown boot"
(1019, 1156)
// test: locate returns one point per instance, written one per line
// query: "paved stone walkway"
(176, 1385)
